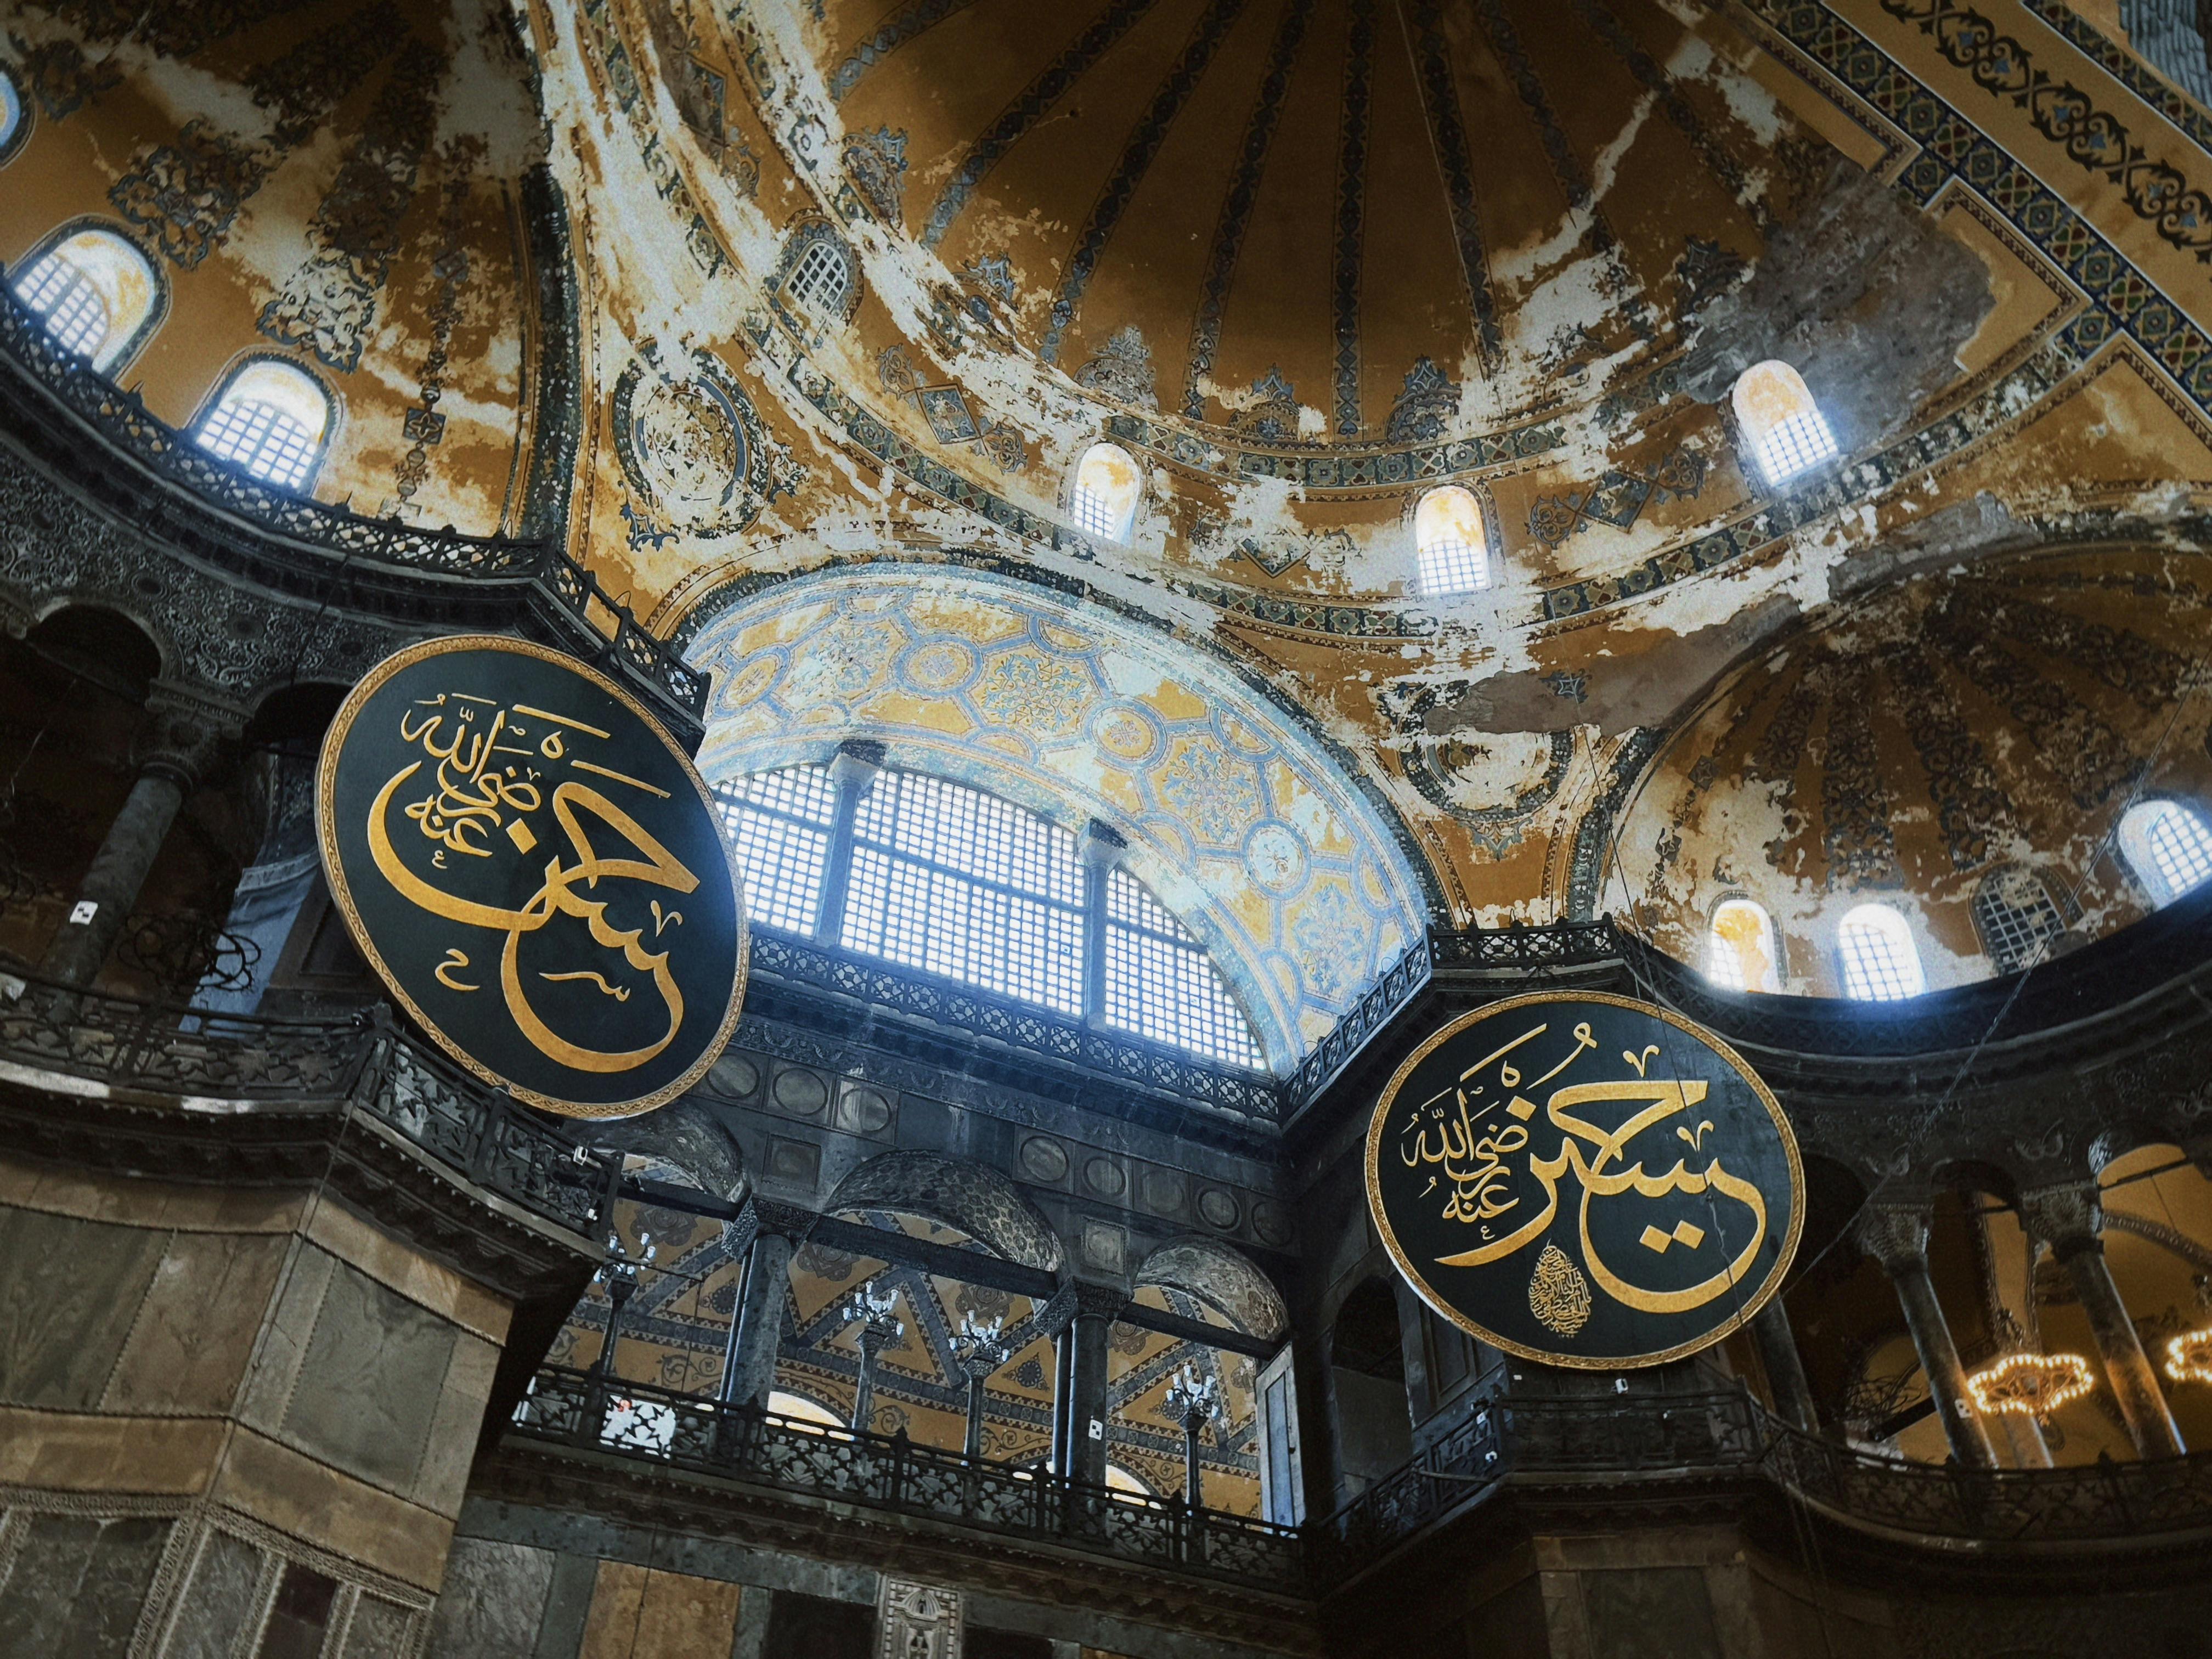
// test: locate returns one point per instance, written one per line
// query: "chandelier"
(2035, 1384)
(2189, 1356)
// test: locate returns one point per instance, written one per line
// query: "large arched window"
(2017, 919)
(953, 881)
(1107, 484)
(1880, 961)
(270, 421)
(97, 295)
(1449, 541)
(1740, 948)
(2167, 846)
(1780, 422)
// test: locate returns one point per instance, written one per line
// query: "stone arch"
(686, 1136)
(973, 1197)
(1222, 1278)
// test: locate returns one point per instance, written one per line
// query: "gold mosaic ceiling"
(1321, 217)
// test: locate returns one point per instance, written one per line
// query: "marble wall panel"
(493, 1601)
(1649, 1612)
(638, 1610)
(78, 1583)
(376, 1369)
(59, 1342)
(194, 1333)
(221, 1599)
(384, 1630)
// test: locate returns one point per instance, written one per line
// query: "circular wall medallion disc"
(1586, 1179)
(536, 873)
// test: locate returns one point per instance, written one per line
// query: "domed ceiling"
(339, 182)
(1965, 722)
(1311, 218)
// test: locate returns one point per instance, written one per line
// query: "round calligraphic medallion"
(536, 873)
(1586, 1179)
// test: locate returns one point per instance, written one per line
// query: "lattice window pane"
(1877, 965)
(820, 280)
(1161, 983)
(956, 882)
(65, 301)
(1795, 444)
(2181, 848)
(268, 443)
(2017, 917)
(1451, 564)
(780, 822)
(1094, 514)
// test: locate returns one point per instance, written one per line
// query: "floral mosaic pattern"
(1236, 818)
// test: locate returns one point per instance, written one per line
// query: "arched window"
(1740, 948)
(2016, 916)
(270, 421)
(96, 293)
(1450, 543)
(13, 128)
(2167, 846)
(951, 880)
(1780, 422)
(1107, 486)
(1880, 961)
(819, 280)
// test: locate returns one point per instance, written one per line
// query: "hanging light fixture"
(2189, 1356)
(2036, 1385)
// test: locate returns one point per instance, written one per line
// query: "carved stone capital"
(1895, 1235)
(2065, 1216)
(186, 733)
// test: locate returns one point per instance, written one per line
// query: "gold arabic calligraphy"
(477, 792)
(1442, 1131)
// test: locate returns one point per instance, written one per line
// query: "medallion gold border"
(1746, 1309)
(342, 894)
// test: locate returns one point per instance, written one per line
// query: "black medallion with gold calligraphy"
(1585, 1179)
(536, 871)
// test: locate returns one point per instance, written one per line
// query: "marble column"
(1896, 1235)
(756, 1329)
(2068, 1217)
(173, 751)
(1785, 1367)
(1080, 1416)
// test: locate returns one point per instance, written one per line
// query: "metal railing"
(168, 1052)
(594, 1413)
(197, 501)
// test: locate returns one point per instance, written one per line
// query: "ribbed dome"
(1321, 218)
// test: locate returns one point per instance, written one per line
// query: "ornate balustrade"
(228, 1068)
(1658, 1439)
(178, 494)
(592, 1412)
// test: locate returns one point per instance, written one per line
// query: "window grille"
(780, 822)
(1161, 983)
(66, 301)
(1796, 445)
(1740, 948)
(1452, 565)
(956, 882)
(2016, 916)
(1880, 962)
(820, 279)
(1094, 513)
(261, 438)
(2181, 848)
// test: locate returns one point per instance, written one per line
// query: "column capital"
(855, 763)
(1895, 1235)
(2067, 1216)
(185, 733)
(1078, 1298)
